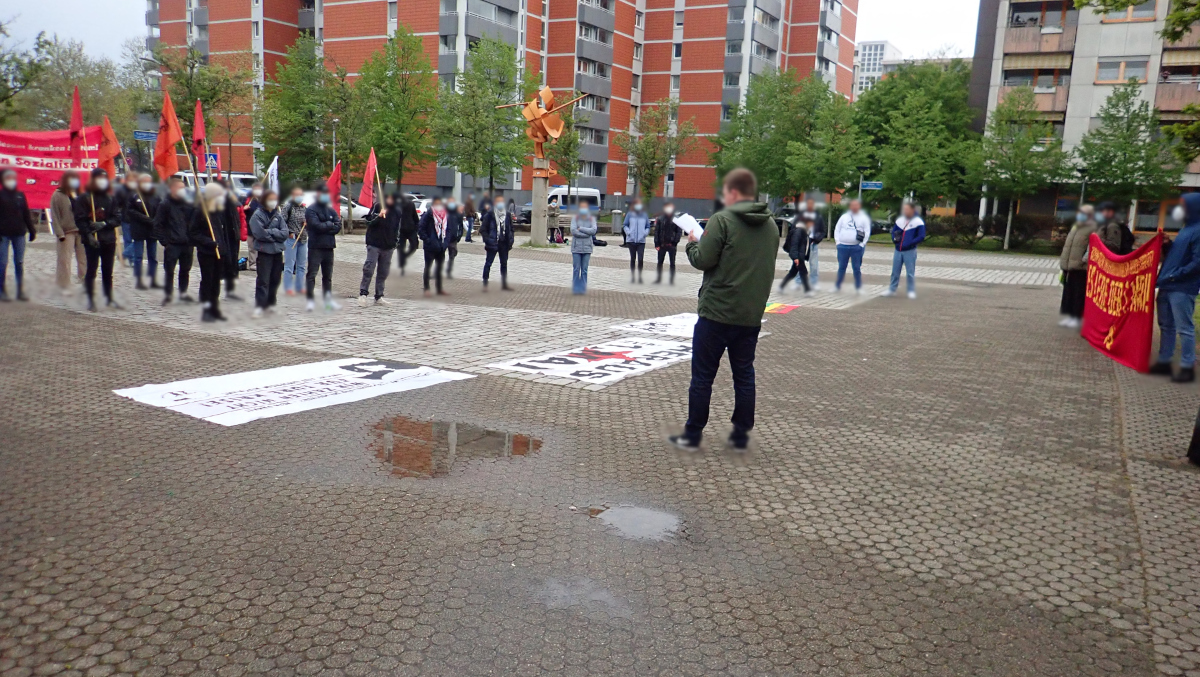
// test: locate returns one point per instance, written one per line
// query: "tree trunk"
(1012, 207)
(230, 148)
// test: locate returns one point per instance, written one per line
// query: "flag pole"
(203, 207)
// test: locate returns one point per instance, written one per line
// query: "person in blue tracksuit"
(1178, 285)
(637, 227)
(907, 233)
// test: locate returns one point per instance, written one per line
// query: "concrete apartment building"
(622, 54)
(869, 60)
(1074, 59)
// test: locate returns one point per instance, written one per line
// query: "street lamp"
(862, 169)
(1083, 187)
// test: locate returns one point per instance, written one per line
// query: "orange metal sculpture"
(545, 123)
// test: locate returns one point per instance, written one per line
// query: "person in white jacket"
(851, 234)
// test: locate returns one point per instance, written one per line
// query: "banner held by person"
(1118, 314)
(40, 158)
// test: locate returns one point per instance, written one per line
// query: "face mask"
(324, 198)
(637, 208)
(257, 192)
(73, 183)
(147, 187)
(10, 184)
(178, 193)
(1100, 218)
(298, 198)
(669, 210)
(1178, 213)
(272, 204)
(101, 184)
(1080, 217)
(451, 206)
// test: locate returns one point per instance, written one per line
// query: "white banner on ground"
(239, 398)
(673, 325)
(604, 363)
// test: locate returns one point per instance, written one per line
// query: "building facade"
(622, 54)
(869, 59)
(1073, 59)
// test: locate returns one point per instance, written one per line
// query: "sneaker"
(289, 292)
(809, 294)
(912, 295)
(91, 306)
(21, 296)
(166, 301)
(271, 310)
(207, 316)
(858, 291)
(888, 294)
(330, 304)
(1185, 375)
(837, 290)
(140, 286)
(1074, 323)
(258, 313)
(4, 297)
(362, 301)
(310, 306)
(231, 296)
(382, 302)
(1160, 369)
(684, 442)
(736, 444)
(1065, 322)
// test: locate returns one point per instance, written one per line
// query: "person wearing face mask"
(140, 207)
(815, 235)
(1073, 262)
(172, 222)
(210, 234)
(383, 235)
(409, 226)
(583, 228)
(252, 204)
(468, 211)
(97, 218)
(1112, 231)
(16, 224)
(239, 232)
(269, 229)
(455, 224)
(435, 240)
(295, 254)
(323, 224)
(637, 227)
(496, 231)
(124, 195)
(1178, 285)
(797, 248)
(666, 239)
(62, 224)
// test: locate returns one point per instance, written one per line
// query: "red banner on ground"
(40, 158)
(1118, 315)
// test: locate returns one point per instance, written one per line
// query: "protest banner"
(1118, 313)
(40, 158)
(604, 363)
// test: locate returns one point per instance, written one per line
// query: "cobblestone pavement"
(952, 486)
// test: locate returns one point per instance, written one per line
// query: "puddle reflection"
(425, 448)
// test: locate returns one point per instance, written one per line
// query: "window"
(446, 44)
(678, 19)
(594, 103)
(736, 14)
(592, 169)
(733, 79)
(761, 51)
(637, 52)
(595, 137)
(766, 20)
(638, 19)
(828, 35)
(449, 6)
(594, 34)
(1045, 13)
(726, 113)
(605, 5)
(733, 47)
(593, 68)
(1142, 12)
(674, 115)
(491, 12)
(678, 53)
(255, 28)
(674, 83)
(832, 6)
(1119, 72)
(392, 10)
(636, 84)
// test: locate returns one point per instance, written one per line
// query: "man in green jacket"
(737, 255)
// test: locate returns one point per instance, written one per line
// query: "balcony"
(151, 43)
(831, 21)
(1039, 39)
(1048, 99)
(1173, 96)
(306, 19)
(152, 17)
(200, 16)
(201, 45)
(1189, 41)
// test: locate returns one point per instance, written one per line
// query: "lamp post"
(862, 169)
(1083, 187)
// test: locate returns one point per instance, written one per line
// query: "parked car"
(238, 181)
(358, 211)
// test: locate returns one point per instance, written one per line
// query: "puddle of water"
(423, 448)
(639, 524)
(556, 594)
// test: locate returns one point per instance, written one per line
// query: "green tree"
(1021, 155)
(565, 152)
(944, 86)
(46, 103)
(474, 135)
(296, 114)
(922, 159)
(395, 97)
(780, 109)
(1127, 157)
(658, 138)
(219, 87)
(830, 159)
(1181, 17)
(1186, 135)
(19, 70)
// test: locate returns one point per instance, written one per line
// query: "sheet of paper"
(689, 225)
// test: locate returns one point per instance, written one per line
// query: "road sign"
(872, 185)
(211, 161)
(145, 136)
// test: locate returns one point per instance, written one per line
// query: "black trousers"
(269, 275)
(99, 257)
(798, 270)
(663, 253)
(491, 257)
(637, 256)
(173, 254)
(407, 247)
(211, 273)
(323, 259)
(230, 265)
(1074, 294)
(710, 341)
(452, 252)
(434, 260)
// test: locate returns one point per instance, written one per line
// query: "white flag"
(273, 176)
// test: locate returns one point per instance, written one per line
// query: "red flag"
(110, 148)
(199, 136)
(366, 196)
(1118, 314)
(335, 186)
(77, 140)
(166, 163)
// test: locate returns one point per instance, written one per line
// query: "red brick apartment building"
(622, 53)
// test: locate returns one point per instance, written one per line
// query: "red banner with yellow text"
(40, 158)
(1118, 316)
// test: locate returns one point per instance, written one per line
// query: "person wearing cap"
(98, 218)
(16, 224)
(1073, 262)
(1113, 233)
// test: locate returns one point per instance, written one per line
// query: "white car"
(422, 205)
(240, 182)
(358, 211)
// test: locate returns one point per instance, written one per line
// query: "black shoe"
(186, 298)
(684, 442)
(658, 280)
(154, 284)
(230, 296)
(218, 316)
(1160, 369)
(140, 286)
(1185, 375)
(21, 296)
(166, 301)
(737, 444)
(207, 316)
(91, 306)
(4, 297)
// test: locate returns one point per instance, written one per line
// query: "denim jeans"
(127, 240)
(295, 265)
(1175, 310)
(849, 254)
(579, 271)
(908, 260)
(18, 247)
(710, 340)
(149, 248)
(813, 277)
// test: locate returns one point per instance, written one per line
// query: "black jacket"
(103, 228)
(15, 218)
(489, 230)
(172, 221)
(819, 229)
(140, 211)
(206, 241)
(408, 218)
(454, 222)
(428, 233)
(323, 224)
(123, 200)
(798, 243)
(666, 233)
(383, 232)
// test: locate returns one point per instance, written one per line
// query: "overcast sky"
(917, 27)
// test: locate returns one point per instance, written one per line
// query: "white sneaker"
(1065, 322)
(912, 295)
(837, 290)
(330, 304)
(808, 294)
(888, 293)
(858, 291)
(382, 302)
(258, 313)
(817, 286)
(310, 306)
(362, 301)
(1074, 324)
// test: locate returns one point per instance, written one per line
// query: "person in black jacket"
(816, 235)
(269, 232)
(171, 223)
(237, 230)
(323, 224)
(97, 217)
(797, 249)
(496, 231)
(124, 192)
(16, 224)
(436, 236)
(209, 232)
(383, 234)
(409, 222)
(252, 204)
(455, 219)
(666, 239)
(140, 207)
